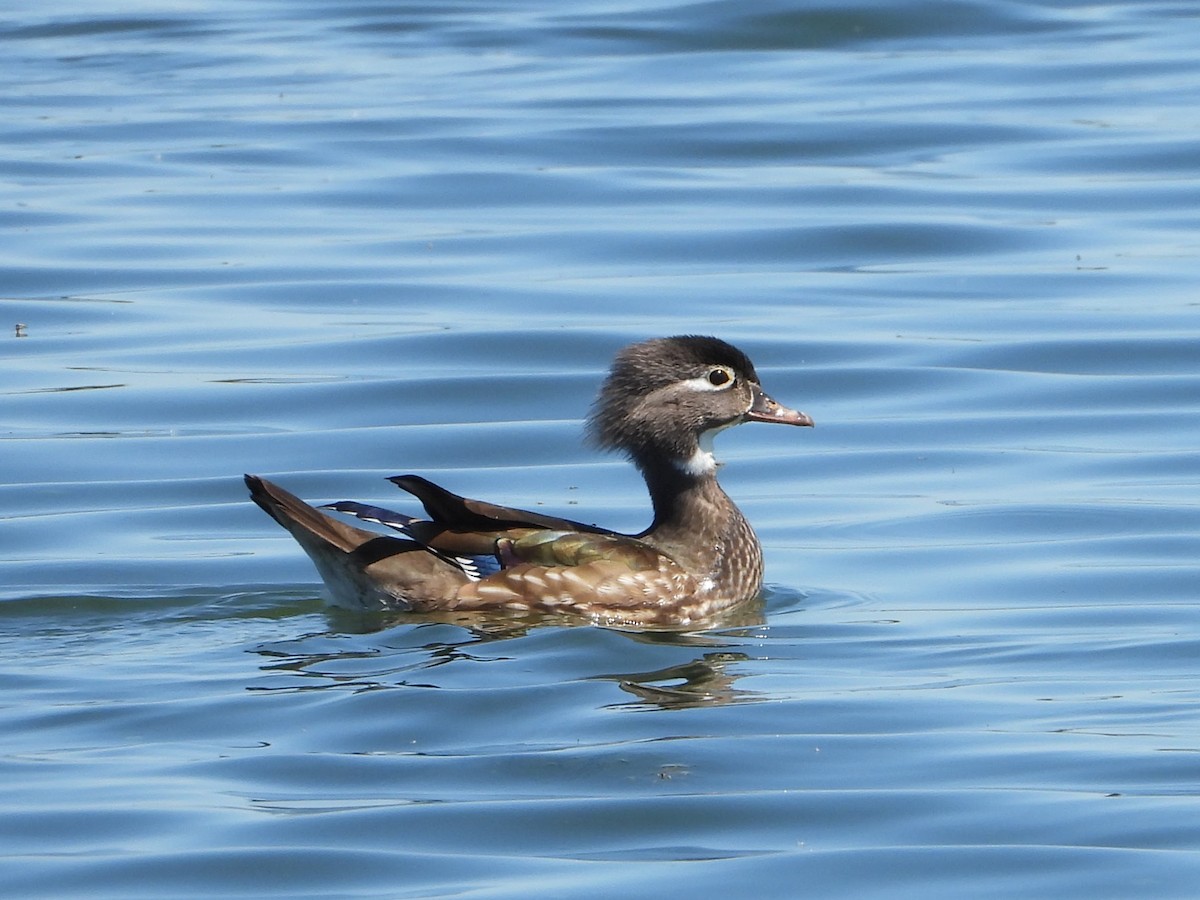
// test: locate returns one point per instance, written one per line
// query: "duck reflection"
(706, 681)
(377, 651)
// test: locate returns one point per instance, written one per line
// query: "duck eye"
(719, 377)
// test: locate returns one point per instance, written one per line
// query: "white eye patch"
(718, 378)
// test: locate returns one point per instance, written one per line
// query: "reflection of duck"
(700, 682)
(661, 405)
(330, 661)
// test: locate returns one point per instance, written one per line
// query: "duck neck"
(681, 497)
(697, 525)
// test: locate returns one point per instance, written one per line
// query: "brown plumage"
(661, 405)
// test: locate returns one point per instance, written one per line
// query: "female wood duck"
(661, 405)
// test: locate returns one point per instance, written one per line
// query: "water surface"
(329, 243)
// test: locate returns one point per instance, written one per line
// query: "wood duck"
(661, 405)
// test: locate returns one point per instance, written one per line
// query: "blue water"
(331, 242)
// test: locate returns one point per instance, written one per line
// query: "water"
(332, 242)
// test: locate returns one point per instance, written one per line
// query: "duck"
(661, 405)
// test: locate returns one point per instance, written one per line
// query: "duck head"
(665, 399)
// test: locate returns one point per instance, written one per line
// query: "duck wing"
(464, 532)
(463, 514)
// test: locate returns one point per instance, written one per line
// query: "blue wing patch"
(478, 567)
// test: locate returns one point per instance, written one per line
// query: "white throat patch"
(702, 462)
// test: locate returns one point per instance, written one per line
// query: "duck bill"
(765, 409)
